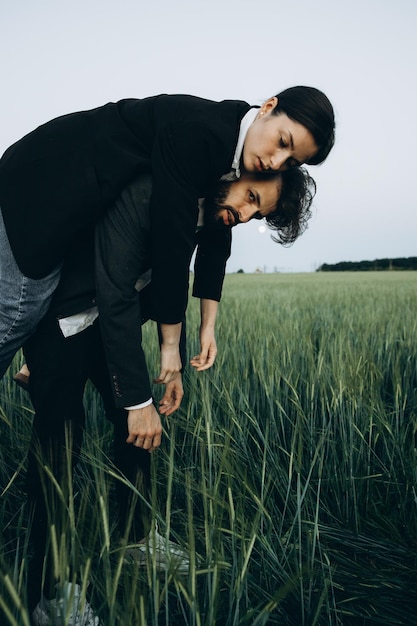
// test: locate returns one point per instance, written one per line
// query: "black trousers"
(59, 370)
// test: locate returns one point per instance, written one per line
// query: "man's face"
(242, 200)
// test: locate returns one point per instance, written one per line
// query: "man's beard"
(215, 203)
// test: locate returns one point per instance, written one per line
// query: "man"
(60, 366)
(119, 262)
(123, 252)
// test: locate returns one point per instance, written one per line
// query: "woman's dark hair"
(293, 207)
(311, 108)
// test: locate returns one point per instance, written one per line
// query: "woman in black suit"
(59, 179)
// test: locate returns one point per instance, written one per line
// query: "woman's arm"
(208, 347)
(213, 251)
(170, 353)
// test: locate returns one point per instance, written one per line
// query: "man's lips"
(228, 215)
(232, 216)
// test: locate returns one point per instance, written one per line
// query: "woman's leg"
(23, 301)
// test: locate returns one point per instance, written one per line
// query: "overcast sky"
(58, 57)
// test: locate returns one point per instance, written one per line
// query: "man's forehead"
(269, 190)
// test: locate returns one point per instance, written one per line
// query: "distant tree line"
(378, 265)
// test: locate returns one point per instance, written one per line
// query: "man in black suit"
(123, 252)
(67, 350)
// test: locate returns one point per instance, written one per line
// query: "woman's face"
(276, 142)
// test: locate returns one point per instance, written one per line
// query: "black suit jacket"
(122, 253)
(60, 178)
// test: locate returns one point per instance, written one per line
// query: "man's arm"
(122, 254)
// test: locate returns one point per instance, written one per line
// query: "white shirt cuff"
(139, 406)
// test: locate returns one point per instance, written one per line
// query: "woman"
(60, 178)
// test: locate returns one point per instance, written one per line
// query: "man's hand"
(172, 397)
(145, 428)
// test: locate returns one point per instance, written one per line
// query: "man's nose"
(246, 212)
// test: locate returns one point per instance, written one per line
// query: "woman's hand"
(172, 397)
(208, 350)
(170, 353)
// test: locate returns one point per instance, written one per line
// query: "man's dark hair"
(290, 218)
(292, 211)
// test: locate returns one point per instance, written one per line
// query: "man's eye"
(251, 196)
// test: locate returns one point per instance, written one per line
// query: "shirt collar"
(234, 173)
(246, 121)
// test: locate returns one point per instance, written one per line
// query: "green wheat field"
(289, 473)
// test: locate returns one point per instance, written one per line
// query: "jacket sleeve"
(187, 161)
(122, 253)
(213, 250)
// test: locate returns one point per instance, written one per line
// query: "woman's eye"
(282, 143)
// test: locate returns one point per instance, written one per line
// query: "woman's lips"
(260, 165)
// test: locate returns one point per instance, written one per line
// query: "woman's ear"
(269, 105)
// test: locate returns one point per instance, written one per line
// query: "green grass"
(289, 472)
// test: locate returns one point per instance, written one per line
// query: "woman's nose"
(278, 160)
